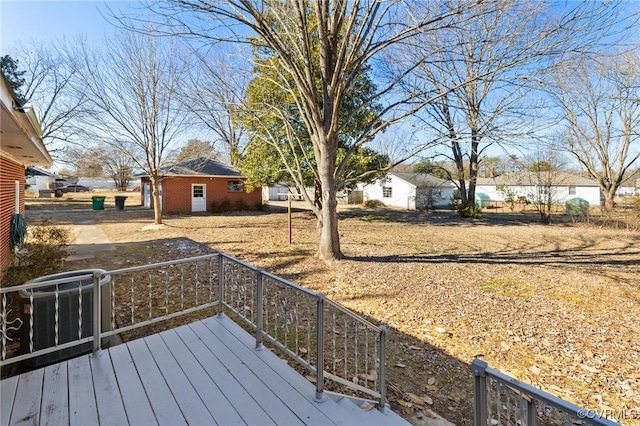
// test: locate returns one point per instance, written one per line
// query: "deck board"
(277, 410)
(305, 406)
(192, 407)
(216, 402)
(7, 393)
(55, 404)
(298, 382)
(164, 405)
(82, 401)
(27, 400)
(108, 397)
(206, 372)
(135, 399)
(251, 412)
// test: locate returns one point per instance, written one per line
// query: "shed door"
(147, 195)
(198, 198)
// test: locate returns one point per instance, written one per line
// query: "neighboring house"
(411, 191)
(20, 145)
(193, 185)
(563, 187)
(38, 179)
(630, 185)
(276, 192)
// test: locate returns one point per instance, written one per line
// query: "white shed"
(411, 191)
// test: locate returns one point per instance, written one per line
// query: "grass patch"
(507, 287)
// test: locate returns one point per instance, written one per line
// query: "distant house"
(38, 179)
(193, 185)
(411, 191)
(20, 145)
(564, 187)
(630, 185)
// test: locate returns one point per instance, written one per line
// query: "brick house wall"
(10, 171)
(176, 192)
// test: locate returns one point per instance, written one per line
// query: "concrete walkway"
(89, 239)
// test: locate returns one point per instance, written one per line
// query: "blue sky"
(48, 20)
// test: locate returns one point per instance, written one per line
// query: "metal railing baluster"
(320, 349)
(56, 315)
(221, 298)
(97, 309)
(79, 310)
(5, 320)
(259, 331)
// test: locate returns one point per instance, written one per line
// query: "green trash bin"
(98, 202)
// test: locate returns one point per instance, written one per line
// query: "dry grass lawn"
(555, 306)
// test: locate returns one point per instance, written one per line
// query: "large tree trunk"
(608, 200)
(157, 211)
(329, 248)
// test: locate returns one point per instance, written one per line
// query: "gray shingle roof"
(422, 180)
(200, 166)
(558, 179)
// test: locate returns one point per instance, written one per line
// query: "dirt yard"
(555, 306)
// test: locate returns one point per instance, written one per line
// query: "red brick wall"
(10, 171)
(176, 195)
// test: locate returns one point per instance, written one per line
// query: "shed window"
(572, 190)
(235, 185)
(387, 192)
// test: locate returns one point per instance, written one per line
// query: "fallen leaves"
(580, 317)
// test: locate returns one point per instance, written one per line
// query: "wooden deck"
(203, 373)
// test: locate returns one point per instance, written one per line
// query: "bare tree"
(322, 48)
(197, 148)
(213, 91)
(48, 86)
(119, 167)
(87, 162)
(545, 177)
(132, 84)
(485, 64)
(600, 100)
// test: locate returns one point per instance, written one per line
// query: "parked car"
(75, 188)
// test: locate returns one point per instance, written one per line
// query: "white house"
(38, 179)
(630, 185)
(563, 187)
(411, 191)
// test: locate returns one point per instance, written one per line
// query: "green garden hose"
(18, 229)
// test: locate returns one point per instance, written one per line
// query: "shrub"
(373, 204)
(221, 207)
(241, 205)
(43, 253)
(469, 211)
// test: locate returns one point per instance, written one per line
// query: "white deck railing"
(65, 314)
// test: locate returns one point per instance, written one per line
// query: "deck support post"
(259, 314)
(320, 396)
(220, 284)
(478, 367)
(97, 314)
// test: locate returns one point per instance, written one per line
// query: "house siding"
(560, 193)
(10, 171)
(176, 193)
(403, 194)
(406, 195)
